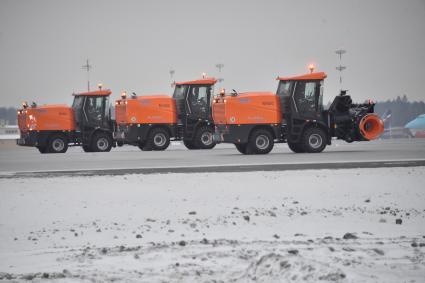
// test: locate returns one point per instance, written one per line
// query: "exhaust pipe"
(371, 127)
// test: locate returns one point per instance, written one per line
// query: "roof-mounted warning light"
(24, 105)
(311, 67)
(124, 95)
(100, 86)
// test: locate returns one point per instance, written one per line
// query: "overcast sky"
(132, 45)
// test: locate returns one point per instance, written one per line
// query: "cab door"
(198, 102)
(307, 99)
(96, 112)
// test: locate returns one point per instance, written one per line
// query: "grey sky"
(133, 44)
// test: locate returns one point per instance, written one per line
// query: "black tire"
(204, 138)
(120, 143)
(296, 147)
(260, 142)
(87, 148)
(314, 140)
(241, 147)
(141, 145)
(42, 149)
(158, 139)
(57, 144)
(189, 145)
(101, 142)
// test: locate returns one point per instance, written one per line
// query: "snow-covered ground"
(312, 225)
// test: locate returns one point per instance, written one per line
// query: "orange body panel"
(247, 108)
(154, 109)
(46, 118)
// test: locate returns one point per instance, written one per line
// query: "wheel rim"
(58, 144)
(159, 139)
(102, 144)
(315, 141)
(262, 142)
(207, 138)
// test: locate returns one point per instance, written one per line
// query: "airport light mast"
(340, 68)
(172, 72)
(87, 67)
(219, 67)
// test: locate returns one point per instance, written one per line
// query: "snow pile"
(301, 226)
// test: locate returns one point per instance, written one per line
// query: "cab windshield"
(179, 91)
(284, 88)
(77, 106)
(284, 92)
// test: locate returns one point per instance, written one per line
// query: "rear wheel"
(296, 147)
(241, 147)
(102, 142)
(204, 138)
(57, 144)
(314, 140)
(158, 139)
(260, 142)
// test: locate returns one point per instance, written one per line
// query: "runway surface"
(404, 152)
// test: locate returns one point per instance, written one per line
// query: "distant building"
(9, 132)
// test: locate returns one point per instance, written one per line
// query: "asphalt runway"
(21, 160)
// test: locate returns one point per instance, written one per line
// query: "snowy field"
(363, 225)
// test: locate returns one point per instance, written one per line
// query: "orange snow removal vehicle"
(52, 128)
(150, 122)
(295, 115)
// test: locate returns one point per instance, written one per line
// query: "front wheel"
(204, 138)
(87, 148)
(189, 145)
(241, 147)
(296, 147)
(101, 142)
(42, 149)
(57, 144)
(314, 140)
(260, 142)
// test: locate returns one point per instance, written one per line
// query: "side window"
(305, 97)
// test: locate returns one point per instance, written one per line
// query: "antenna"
(340, 68)
(87, 67)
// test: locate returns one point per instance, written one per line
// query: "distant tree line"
(401, 110)
(8, 116)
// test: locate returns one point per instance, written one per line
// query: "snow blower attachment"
(354, 122)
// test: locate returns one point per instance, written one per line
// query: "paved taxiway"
(14, 159)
